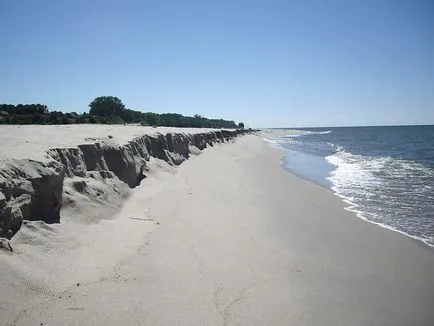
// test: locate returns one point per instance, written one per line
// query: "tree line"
(105, 110)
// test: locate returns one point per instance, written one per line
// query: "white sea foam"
(361, 214)
(384, 191)
(393, 193)
(297, 133)
(274, 142)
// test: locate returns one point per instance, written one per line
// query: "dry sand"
(32, 141)
(227, 238)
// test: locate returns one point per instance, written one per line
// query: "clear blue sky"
(267, 63)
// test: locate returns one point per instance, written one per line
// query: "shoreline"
(349, 205)
(226, 238)
(359, 214)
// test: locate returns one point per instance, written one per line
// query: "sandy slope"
(32, 141)
(228, 238)
(45, 168)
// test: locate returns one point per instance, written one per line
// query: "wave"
(388, 166)
(299, 133)
(362, 215)
(392, 193)
(383, 181)
(274, 142)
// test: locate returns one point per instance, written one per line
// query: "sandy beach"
(226, 238)
(31, 141)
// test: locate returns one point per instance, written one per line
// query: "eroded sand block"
(99, 170)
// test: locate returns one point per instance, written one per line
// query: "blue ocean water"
(385, 174)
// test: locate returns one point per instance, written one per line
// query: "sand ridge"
(102, 168)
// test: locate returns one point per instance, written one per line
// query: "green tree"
(105, 106)
(55, 118)
(113, 119)
(151, 119)
(241, 125)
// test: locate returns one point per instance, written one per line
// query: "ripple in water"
(385, 174)
(394, 193)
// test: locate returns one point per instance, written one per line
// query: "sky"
(300, 63)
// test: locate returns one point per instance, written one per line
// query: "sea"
(384, 174)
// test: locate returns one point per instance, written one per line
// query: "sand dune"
(100, 163)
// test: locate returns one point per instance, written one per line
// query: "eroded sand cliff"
(101, 171)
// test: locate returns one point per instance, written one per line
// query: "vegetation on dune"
(105, 106)
(106, 110)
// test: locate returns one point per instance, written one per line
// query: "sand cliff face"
(100, 171)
